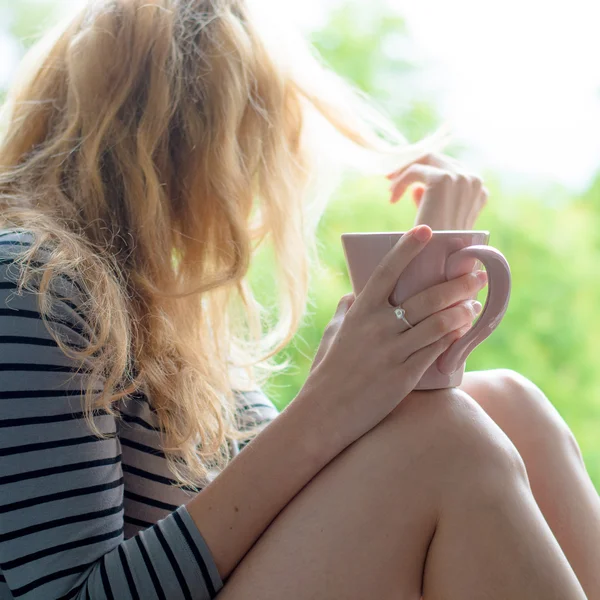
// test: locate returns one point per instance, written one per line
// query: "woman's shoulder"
(14, 242)
(20, 283)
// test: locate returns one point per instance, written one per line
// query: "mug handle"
(499, 283)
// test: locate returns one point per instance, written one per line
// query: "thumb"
(344, 305)
(417, 194)
(332, 328)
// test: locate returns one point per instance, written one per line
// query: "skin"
(446, 195)
(367, 368)
(434, 501)
(561, 485)
(559, 480)
(363, 488)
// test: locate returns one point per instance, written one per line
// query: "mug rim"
(440, 232)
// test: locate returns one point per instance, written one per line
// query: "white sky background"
(518, 80)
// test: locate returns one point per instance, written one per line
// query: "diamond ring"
(401, 316)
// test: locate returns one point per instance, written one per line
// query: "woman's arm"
(238, 506)
(61, 501)
(365, 370)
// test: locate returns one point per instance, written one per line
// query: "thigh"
(359, 530)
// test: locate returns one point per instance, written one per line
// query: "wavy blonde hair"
(151, 147)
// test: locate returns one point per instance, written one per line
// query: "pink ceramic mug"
(448, 255)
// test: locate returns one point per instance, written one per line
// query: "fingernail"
(422, 233)
(481, 277)
(476, 306)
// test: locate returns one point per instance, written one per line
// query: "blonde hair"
(152, 146)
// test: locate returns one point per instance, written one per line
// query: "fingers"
(417, 173)
(437, 326)
(485, 194)
(417, 194)
(430, 170)
(441, 161)
(344, 305)
(332, 328)
(422, 359)
(383, 280)
(336, 321)
(444, 295)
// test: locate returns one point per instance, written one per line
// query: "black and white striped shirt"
(82, 517)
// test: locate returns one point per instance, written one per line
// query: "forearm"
(235, 509)
(366, 371)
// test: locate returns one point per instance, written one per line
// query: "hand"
(333, 328)
(447, 197)
(369, 360)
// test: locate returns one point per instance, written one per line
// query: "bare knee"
(520, 408)
(453, 441)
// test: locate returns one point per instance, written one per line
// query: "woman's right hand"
(369, 360)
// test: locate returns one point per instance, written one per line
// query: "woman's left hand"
(446, 195)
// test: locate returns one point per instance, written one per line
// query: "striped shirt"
(82, 517)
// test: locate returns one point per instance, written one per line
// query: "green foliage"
(28, 18)
(367, 44)
(24, 21)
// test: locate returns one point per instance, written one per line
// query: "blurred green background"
(550, 236)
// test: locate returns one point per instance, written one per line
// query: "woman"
(151, 147)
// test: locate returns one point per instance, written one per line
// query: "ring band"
(401, 316)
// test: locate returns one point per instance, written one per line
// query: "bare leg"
(433, 501)
(560, 483)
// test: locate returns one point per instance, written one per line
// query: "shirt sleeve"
(61, 503)
(254, 412)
